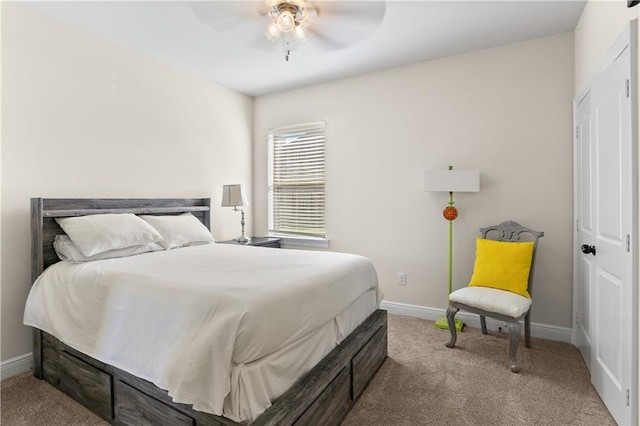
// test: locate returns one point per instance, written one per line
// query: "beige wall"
(84, 118)
(600, 25)
(506, 111)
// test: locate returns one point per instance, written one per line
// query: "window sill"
(303, 242)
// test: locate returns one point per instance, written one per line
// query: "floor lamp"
(450, 181)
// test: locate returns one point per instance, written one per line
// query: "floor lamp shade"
(451, 180)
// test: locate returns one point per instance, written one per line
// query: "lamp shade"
(234, 196)
(451, 180)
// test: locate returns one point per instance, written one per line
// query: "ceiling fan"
(322, 25)
(290, 20)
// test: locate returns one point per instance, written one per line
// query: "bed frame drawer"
(368, 360)
(81, 381)
(135, 408)
(332, 405)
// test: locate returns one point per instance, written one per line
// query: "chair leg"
(527, 330)
(514, 330)
(451, 314)
(483, 324)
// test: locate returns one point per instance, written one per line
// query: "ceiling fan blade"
(337, 36)
(228, 15)
(341, 24)
(353, 10)
(346, 23)
(324, 41)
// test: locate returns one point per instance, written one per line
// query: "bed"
(323, 395)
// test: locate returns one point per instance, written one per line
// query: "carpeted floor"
(421, 383)
(425, 383)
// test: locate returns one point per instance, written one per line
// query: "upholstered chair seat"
(492, 300)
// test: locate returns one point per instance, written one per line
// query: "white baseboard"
(14, 366)
(544, 331)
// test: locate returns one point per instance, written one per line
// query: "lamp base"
(243, 239)
(443, 324)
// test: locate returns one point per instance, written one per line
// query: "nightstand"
(272, 242)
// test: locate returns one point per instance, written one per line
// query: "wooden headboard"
(44, 228)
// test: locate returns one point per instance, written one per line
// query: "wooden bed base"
(323, 396)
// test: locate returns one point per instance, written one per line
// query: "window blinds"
(296, 180)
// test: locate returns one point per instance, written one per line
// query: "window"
(296, 180)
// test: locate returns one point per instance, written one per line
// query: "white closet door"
(605, 212)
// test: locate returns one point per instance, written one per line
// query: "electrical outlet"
(402, 278)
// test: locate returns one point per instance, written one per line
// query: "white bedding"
(208, 322)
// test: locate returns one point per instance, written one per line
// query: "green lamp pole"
(451, 244)
(450, 213)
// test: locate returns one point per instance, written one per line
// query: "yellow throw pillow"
(502, 265)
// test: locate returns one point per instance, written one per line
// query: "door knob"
(586, 249)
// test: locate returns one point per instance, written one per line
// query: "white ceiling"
(234, 53)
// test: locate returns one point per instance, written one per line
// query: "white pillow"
(180, 230)
(66, 250)
(98, 233)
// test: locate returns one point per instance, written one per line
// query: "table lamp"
(235, 196)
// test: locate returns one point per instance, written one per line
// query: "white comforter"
(183, 318)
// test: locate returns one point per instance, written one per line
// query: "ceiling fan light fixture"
(289, 19)
(285, 21)
(301, 33)
(272, 32)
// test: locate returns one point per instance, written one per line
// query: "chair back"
(511, 231)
